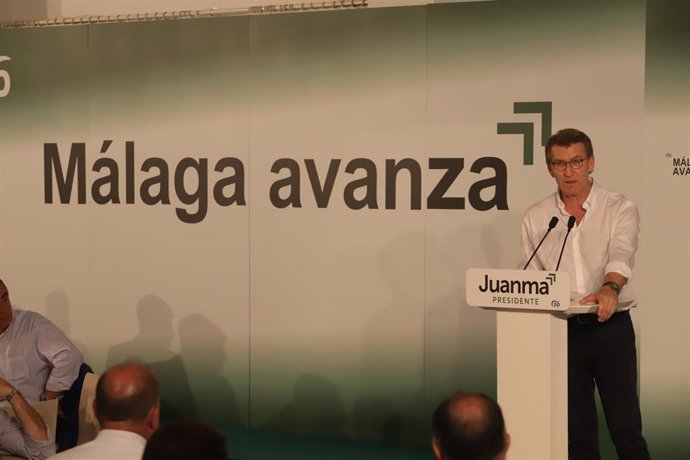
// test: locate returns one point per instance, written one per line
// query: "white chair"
(88, 424)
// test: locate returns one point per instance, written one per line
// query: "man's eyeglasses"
(575, 163)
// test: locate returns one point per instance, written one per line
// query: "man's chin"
(569, 189)
(5, 323)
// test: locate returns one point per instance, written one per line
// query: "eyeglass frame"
(560, 166)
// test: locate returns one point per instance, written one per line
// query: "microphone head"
(553, 222)
(571, 222)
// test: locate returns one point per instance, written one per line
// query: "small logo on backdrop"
(551, 277)
(680, 165)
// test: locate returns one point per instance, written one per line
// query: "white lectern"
(532, 354)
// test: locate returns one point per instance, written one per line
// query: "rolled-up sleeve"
(13, 440)
(64, 357)
(623, 242)
(38, 450)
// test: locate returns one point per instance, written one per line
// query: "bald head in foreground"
(128, 410)
(469, 426)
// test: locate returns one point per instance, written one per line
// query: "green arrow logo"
(527, 129)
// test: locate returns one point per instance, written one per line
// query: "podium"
(532, 308)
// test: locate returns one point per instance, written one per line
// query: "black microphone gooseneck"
(571, 224)
(552, 224)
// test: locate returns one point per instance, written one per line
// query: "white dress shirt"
(108, 445)
(604, 241)
(35, 355)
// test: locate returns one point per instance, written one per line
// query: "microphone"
(552, 224)
(571, 224)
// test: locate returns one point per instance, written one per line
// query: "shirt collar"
(111, 433)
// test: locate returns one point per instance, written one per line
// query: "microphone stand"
(571, 224)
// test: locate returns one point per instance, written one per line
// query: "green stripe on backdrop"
(667, 69)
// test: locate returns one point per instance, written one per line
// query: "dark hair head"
(566, 137)
(186, 440)
(126, 392)
(469, 426)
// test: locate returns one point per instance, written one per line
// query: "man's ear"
(154, 418)
(152, 421)
(436, 449)
(507, 442)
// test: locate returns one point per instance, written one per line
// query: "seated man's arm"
(29, 437)
(64, 357)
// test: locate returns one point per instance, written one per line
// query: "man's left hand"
(48, 394)
(607, 300)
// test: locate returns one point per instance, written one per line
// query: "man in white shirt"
(599, 257)
(41, 362)
(25, 435)
(128, 411)
(36, 357)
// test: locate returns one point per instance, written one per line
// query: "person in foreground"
(599, 257)
(469, 426)
(186, 440)
(127, 408)
(27, 434)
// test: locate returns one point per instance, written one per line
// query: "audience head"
(186, 440)
(469, 426)
(127, 398)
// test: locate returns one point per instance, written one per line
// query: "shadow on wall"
(315, 410)
(394, 422)
(202, 348)
(427, 342)
(152, 347)
(57, 311)
(390, 408)
(460, 341)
